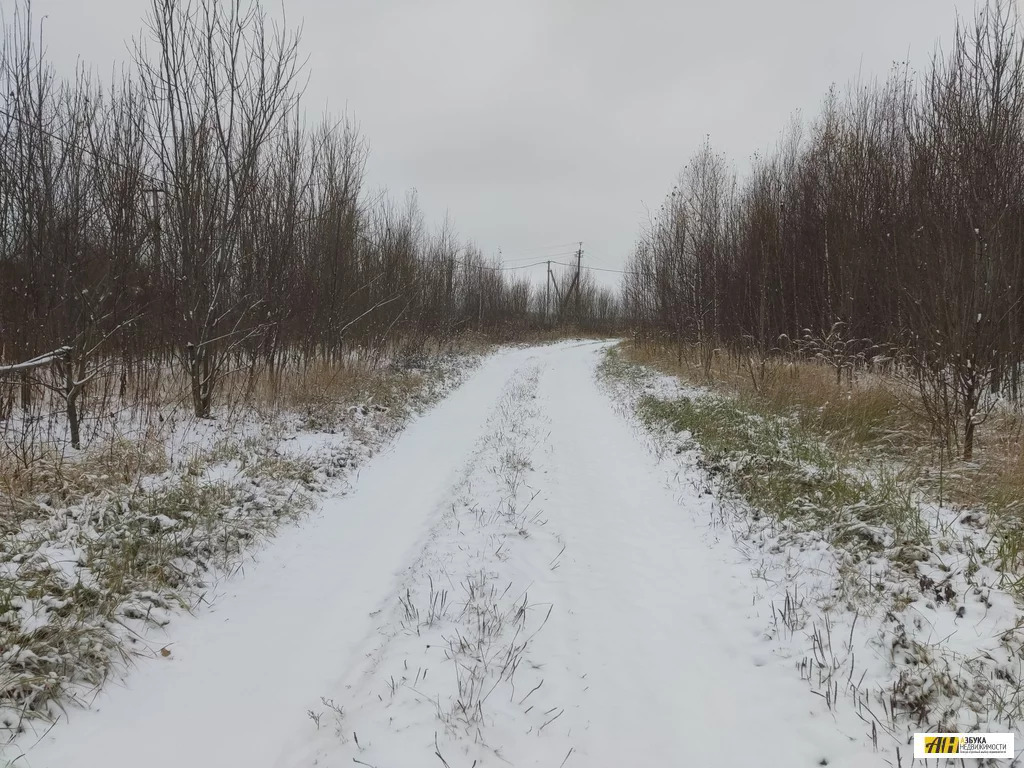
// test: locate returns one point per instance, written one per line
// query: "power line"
(553, 255)
(597, 269)
(86, 150)
(523, 266)
(552, 247)
(471, 265)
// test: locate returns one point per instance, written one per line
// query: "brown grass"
(132, 534)
(996, 476)
(868, 412)
(127, 438)
(60, 482)
(323, 391)
(873, 415)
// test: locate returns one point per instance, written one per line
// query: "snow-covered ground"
(519, 579)
(99, 546)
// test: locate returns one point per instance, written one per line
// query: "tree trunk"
(969, 437)
(74, 424)
(971, 395)
(72, 390)
(26, 391)
(194, 356)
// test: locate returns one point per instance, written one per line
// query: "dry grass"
(323, 392)
(38, 470)
(769, 444)
(48, 476)
(99, 542)
(997, 475)
(871, 411)
(130, 441)
(868, 418)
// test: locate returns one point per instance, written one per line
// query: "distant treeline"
(892, 224)
(188, 215)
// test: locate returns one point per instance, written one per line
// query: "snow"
(676, 658)
(522, 578)
(37, 362)
(925, 639)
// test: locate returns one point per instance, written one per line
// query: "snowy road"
(651, 655)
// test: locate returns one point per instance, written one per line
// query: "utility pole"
(573, 286)
(579, 258)
(547, 295)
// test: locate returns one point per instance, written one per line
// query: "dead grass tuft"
(867, 413)
(52, 477)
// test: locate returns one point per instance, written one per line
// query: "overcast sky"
(535, 123)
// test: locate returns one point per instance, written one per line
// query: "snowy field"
(526, 577)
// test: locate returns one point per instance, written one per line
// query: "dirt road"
(516, 580)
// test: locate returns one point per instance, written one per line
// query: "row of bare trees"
(895, 219)
(188, 216)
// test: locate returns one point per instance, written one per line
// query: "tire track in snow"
(245, 670)
(660, 613)
(451, 675)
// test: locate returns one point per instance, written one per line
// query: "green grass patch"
(782, 470)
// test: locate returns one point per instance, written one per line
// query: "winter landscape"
(293, 474)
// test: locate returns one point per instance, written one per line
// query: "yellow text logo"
(941, 745)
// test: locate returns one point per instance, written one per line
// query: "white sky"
(535, 123)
